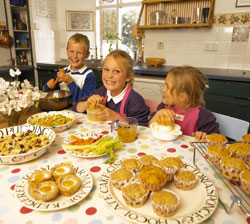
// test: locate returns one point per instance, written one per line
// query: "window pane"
(105, 2)
(126, 1)
(128, 18)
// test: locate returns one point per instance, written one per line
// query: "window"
(115, 18)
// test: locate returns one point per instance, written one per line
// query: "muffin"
(62, 169)
(168, 168)
(231, 168)
(246, 138)
(134, 194)
(148, 159)
(153, 177)
(217, 152)
(133, 165)
(245, 180)
(240, 150)
(165, 202)
(44, 191)
(175, 161)
(216, 139)
(121, 177)
(185, 180)
(68, 184)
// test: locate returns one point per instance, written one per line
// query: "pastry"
(217, 152)
(175, 161)
(165, 202)
(39, 176)
(133, 165)
(185, 180)
(245, 180)
(62, 169)
(246, 138)
(240, 150)
(168, 168)
(216, 139)
(148, 159)
(120, 177)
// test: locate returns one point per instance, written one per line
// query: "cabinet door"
(44, 76)
(98, 77)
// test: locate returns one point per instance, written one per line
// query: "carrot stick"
(56, 81)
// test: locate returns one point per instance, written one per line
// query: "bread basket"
(155, 61)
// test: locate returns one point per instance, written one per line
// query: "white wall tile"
(246, 65)
(223, 47)
(236, 62)
(221, 61)
(238, 48)
(225, 33)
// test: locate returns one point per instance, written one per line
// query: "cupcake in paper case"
(240, 150)
(120, 177)
(148, 159)
(231, 168)
(133, 165)
(216, 139)
(175, 161)
(165, 202)
(152, 177)
(217, 152)
(134, 194)
(245, 180)
(246, 138)
(185, 180)
(169, 169)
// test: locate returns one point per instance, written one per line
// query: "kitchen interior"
(212, 35)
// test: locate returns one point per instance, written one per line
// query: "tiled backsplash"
(226, 45)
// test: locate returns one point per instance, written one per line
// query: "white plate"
(196, 205)
(59, 128)
(22, 158)
(22, 193)
(85, 136)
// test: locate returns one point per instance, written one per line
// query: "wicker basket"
(155, 61)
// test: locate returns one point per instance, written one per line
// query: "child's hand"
(165, 116)
(65, 77)
(200, 136)
(106, 114)
(95, 100)
(50, 84)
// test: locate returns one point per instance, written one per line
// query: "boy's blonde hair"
(126, 62)
(191, 81)
(80, 38)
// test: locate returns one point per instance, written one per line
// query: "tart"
(165, 202)
(217, 152)
(133, 165)
(44, 191)
(134, 194)
(185, 180)
(240, 150)
(245, 180)
(175, 161)
(216, 139)
(246, 138)
(153, 177)
(148, 159)
(231, 168)
(62, 169)
(168, 168)
(120, 177)
(39, 176)
(68, 184)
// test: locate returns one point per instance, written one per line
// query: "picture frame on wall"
(79, 21)
(242, 3)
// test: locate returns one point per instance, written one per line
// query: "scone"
(217, 152)
(231, 168)
(148, 159)
(216, 139)
(44, 191)
(246, 138)
(240, 150)
(153, 177)
(120, 177)
(68, 184)
(168, 168)
(245, 180)
(185, 180)
(134, 194)
(133, 165)
(165, 202)
(175, 161)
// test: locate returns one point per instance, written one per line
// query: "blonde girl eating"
(116, 97)
(183, 103)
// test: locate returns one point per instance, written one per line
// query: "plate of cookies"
(54, 187)
(158, 190)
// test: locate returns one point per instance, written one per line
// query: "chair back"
(152, 105)
(232, 127)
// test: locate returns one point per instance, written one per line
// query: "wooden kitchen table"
(103, 205)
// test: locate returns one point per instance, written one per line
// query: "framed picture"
(242, 3)
(79, 21)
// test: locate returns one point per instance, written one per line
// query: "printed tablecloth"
(93, 209)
